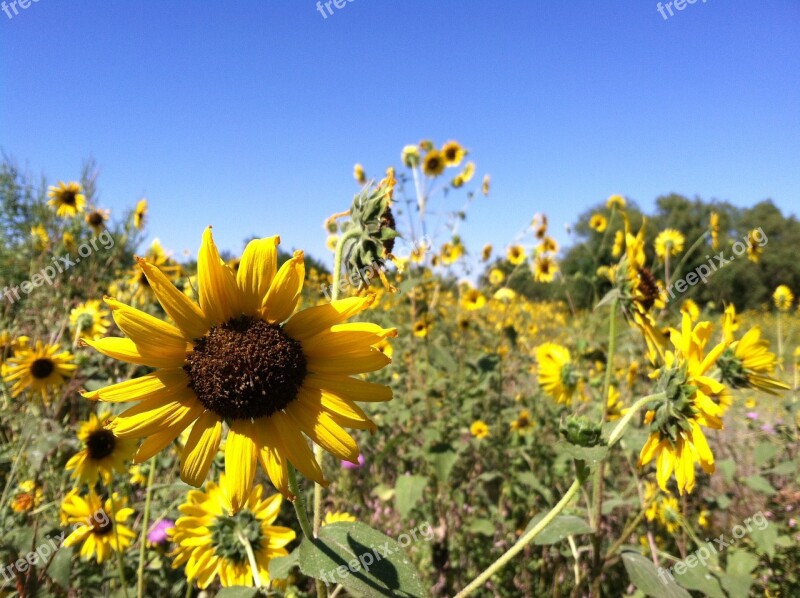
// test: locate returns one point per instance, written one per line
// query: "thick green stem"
(145, 522)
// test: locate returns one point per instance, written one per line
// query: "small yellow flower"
(486, 253)
(434, 163)
(465, 176)
(548, 245)
(479, 429)
(691, 308)
(754, 249)
(67, 198)
(472, 299)
(714, 228)
(669, 241)
(545, 269)
(619, 243)
(598, 222)
(515, 255)
(783, 298)
(137, 477)
(496, 277)
(89, 319)
(359, 175)
(451, 252)
(100, 528)
(420, 329)
(453, 153)
(523, 424)
(97, 220)
(27, 498)
(103, 452)
(40, 237)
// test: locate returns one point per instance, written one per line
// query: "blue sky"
(249, 115)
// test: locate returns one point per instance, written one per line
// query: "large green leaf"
(737, 578)
(759, 484)
(407, 492)
(645, 576)
(443, 458)
(363, 560)
(698, 577)
(280, 567)
(61, 567)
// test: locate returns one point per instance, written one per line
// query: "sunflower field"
(415, 414)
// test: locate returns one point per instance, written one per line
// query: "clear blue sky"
(249, 115)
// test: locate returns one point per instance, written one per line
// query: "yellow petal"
(124, 349)
(201, 448)
(146, 331)
(184, 312)
(220, 297)
(367, 361)
(297, 450)
(665, 465)
(314, 320)
(346, 387)
(346, 338)
(320, 427)
(142, 388)
(343, 411)
(284, 292)
(240, 462)
(146, 419)
(256, 271)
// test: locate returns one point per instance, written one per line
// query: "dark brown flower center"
(100, 444)
(96, 219)
(246, 369)
(68, 198)
(102, 527)
(42, 368)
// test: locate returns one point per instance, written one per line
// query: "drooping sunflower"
(545, 268)
(102, 454)
(39, 369)
(212, 535)
(101, 529)
(598, 222)
(515, 255)
(557, 374)
(676, 438)
(410, 155)
(669, 241)
(783, 298)
(241, 360)
(479, 429)
(615, 201)
(433, 164)
(67, 198)
(486, 252)
(89, 319)
(465, 176)
(97, 219)
(453, 153)
(139, 214)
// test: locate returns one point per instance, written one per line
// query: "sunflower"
(465, 176)
(669, 241)
(783, 298)
(523, 424)
(615, 201)
(662, 507)
(547, 245)
(97, 220)
(451, 252)
(338, 517)
(619, 243)
(691, 308)
(420, 329)
(213, 537)
(614, 406)
(434, 163)
(754, 250)
(515, 255)
(27, 498)
(598, 222)
(545, 268)
(41, 239)
(496, 276)
(410, 155)
(539, 225)
(453, 153)
(486, 252)
(67, 198)
(359, 175)
(485, 185)
(472, 299)
(99, 533)
(240, 358)
(713, 226)
(479, 429)
(38, 368)
(89, 319)
(137, 476)
(676, 438)
(139, 214)
(557, 375)
(102, 454)
(68, 239)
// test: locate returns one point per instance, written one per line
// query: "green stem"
(120, 566)
(616, 433)
(250, 557)
(145, 522)
(299, 506)
(523, 541)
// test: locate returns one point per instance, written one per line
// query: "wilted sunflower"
(89, 319)
(240, 358)
(97, 220)
(38, 369)
(676, 440)
(557, 375)
(545, 268)
(598, 222)
(139, 214)
(410, 155)
(433, 164)
(27, 497)
(479, 429)
(212, 537)
(783, 298)
(100, 533)
(669, 241)
(453, 153)
(515, 255)
(67, 198)
(102, 454)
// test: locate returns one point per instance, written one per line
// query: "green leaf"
(442, 358)
(407, 493)
(61, 567)
(280, 567)
(591, 455)
(482, 526)
(727, 467)
(765, 451)
(237, 592)
(443, 458)
(759, 484)
(785, 468)
(645, 576)
(765, 539)
(698, 578)
(363, 560)
(561, 527)
(737, 578)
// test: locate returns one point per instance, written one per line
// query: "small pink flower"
(348, 465)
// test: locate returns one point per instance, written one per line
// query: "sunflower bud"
(581, 431)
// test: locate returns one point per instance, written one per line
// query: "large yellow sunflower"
(39, 369)
(67, 198)
(240, 360)
(102, 453)
(212, 537)
(100, 525)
